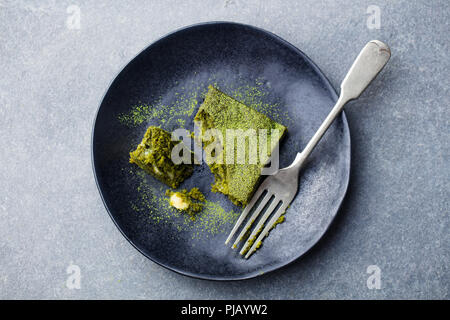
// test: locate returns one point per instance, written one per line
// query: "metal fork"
(283, 185)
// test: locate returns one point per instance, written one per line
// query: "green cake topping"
(190, 202)
(153, 155)
(234, 177)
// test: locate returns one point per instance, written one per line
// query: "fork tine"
(267, 228)
(247, 209)
(252, 218)
(258, 227)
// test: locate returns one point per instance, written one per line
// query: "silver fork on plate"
(283, 185)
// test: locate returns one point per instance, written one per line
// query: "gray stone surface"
(396, 214)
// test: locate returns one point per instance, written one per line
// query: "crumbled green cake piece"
(221, 112)
(259, 243)
(278, 221)
(153, 155)
(190, 202)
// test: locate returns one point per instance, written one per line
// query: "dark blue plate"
(167, 81)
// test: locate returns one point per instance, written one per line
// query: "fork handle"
(372, 58)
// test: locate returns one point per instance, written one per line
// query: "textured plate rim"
(325, 81)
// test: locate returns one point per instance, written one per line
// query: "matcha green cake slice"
(153, 155)
(221, 112)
